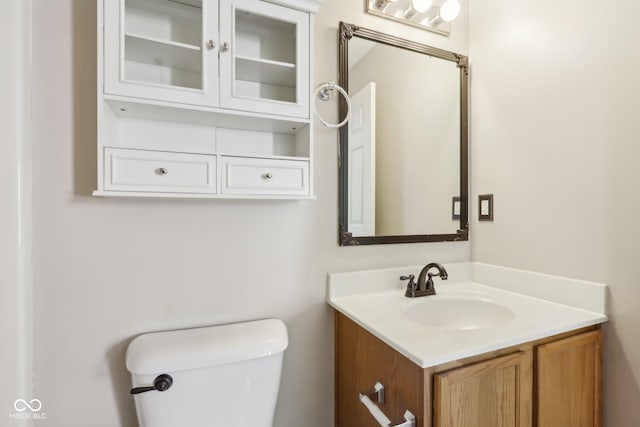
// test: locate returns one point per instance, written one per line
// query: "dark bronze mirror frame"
(346, 33)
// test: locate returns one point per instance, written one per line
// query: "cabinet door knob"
(225, 47)
(162, 171)
(267, 176)
(211, 45)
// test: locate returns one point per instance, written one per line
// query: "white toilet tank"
(220, 376)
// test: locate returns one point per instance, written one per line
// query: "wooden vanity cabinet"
(551, 382)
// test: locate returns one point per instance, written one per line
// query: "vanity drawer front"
(264, 176)
(154, 171)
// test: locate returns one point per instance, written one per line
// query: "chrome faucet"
(425, 286)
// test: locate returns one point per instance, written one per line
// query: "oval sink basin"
(459, 313)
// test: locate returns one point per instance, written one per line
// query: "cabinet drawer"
(264, 176)
(153, 171)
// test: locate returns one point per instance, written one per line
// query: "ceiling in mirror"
(403, 165)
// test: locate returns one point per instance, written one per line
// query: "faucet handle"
(410, 278)
(412, 286)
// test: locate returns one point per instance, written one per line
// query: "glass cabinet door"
(264, 58)
(162, 49)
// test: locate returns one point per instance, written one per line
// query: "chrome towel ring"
(325, 91)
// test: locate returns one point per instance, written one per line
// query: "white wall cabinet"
(205, 98)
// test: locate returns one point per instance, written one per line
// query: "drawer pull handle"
(376, 412)
(378, 392)
(267, 176)
(162, 171)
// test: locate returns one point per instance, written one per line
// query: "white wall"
(107, 270)
(554, 131)
(15, 241)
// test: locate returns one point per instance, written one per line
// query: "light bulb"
(421, 6)
(433, 21)
(449, 10)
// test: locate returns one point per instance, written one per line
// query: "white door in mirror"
(362, 163)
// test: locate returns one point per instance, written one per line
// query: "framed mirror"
(403, 157)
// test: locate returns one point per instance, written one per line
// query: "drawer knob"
(162, 171)
(267, 176)
(211, 45)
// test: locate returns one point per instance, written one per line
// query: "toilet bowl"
(222, 376)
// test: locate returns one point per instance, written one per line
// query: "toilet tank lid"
(172, 351)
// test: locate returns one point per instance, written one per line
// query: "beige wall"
(554, 135)
(417, 139)
(107, 270)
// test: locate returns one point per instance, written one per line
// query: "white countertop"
(375, 300)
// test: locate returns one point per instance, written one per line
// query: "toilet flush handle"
(161, 383)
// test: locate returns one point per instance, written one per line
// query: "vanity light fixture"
(432, 15)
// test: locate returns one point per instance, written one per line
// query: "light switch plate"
(485, 207)
(455, 208)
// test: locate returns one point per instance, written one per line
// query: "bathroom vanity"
(472, 355)
(555, 381)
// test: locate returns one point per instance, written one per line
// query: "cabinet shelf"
(162, 41)
(135, 194)
(265, 71)
(167, 53)
(126, 107)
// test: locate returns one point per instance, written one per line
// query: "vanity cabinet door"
(492, 393)
(568, 382)
(361, 361)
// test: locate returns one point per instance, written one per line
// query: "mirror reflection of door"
(362, 162)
